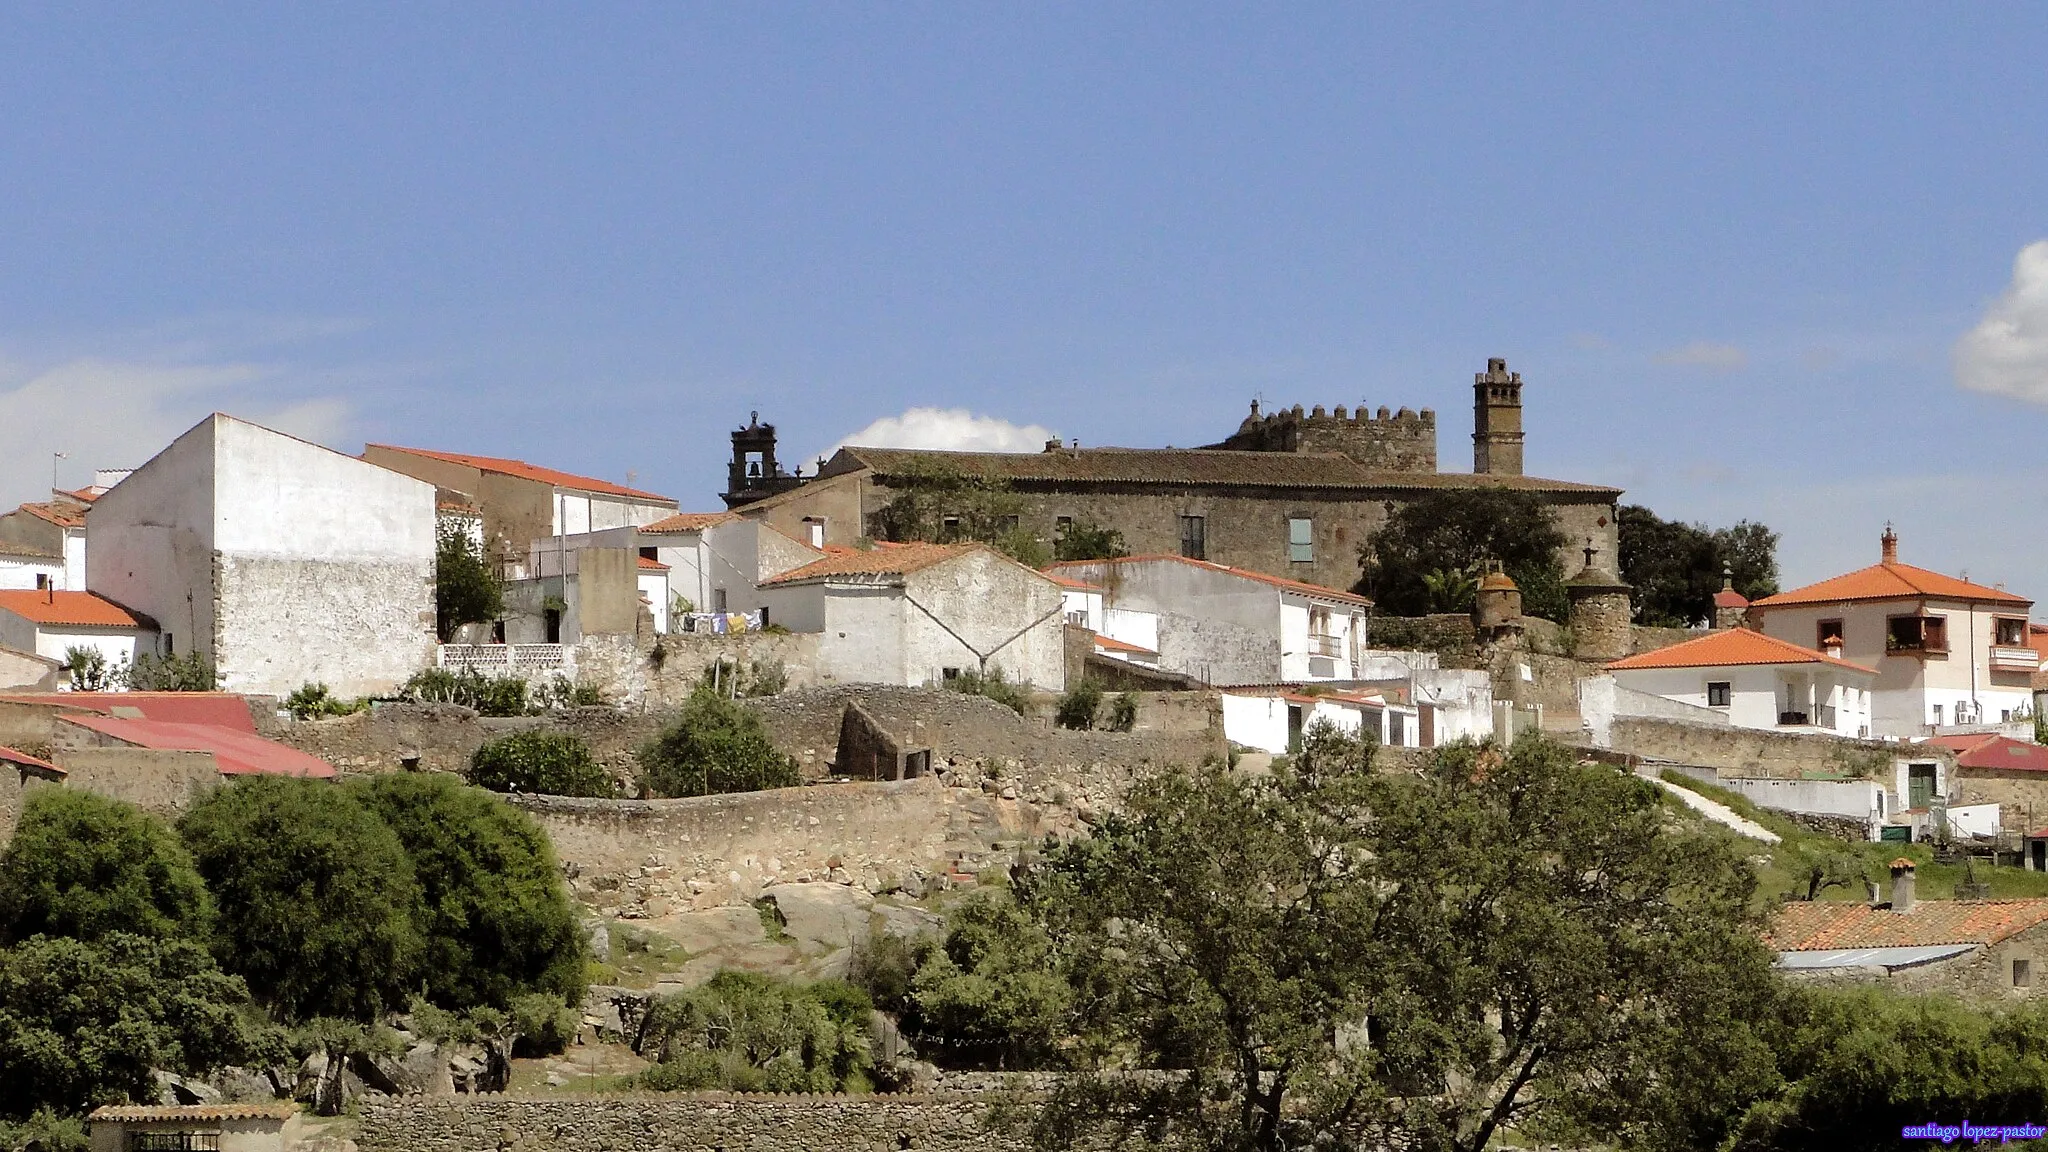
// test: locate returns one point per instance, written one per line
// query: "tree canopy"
(466, 588)
(715, 745)
(82, 865)
(1424, 557)
(315, 896)
(1675, 568)
(1504, 940)
(88, 1022)
(1080, 540)
(493, 914)
(937, 502)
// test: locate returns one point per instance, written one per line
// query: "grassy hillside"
(1784, 869)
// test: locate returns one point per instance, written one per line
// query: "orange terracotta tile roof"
(1821, 925)
(1730, 598)
(1110, 644)
(148, 1113)
(647, 565)
(83, 609)
(882, 560)
(1184, 467)
(1988, 751)
(1315, 590)
(508, 467)
(689, 522)
(1891, 581)
(1736, 646)
(61, 514)
(83, 495)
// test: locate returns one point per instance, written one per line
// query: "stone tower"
(1730, 606)
(1497, 608)
(1600, 612)
(754, 473)
(1497, 420)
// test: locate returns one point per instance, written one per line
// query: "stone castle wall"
(1403, 441)
(684, 1122)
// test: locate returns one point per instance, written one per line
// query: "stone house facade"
(283, 561)
(1990, 951)
(1291, 493)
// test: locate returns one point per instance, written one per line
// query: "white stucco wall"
(1758, 691)
(1909, 686)
(74, 560)
(593, 512)
(981, 602)
(1259, 721)
(1132, 627)
(862, 640)
(21, 572)
(1083, 607)
(1865, 800)
(117, 645)
(151, 540)
(1298, 662)
(286, 561)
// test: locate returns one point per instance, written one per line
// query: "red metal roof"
(221, 709)
(1737, 646)
(23, 759)
(1991, 752)
(520, 468)
(79, 609)
(237, 753)
(1305, 589)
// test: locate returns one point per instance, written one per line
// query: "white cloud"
(1707, 355)
(956, 429)
(2006, 354)
(116, 414)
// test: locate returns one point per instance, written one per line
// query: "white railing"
(504, 658)
(1325, 645)
(2007, 659)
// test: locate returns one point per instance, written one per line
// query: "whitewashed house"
(1227, 626)
(50, 623)
(519, 502)
(924, 613)
(717, 560)
(23, 566)
(1120, 633)
(51, 528)
(284, 562)
(1756, 681)
(1946, 652)
(1273, 719)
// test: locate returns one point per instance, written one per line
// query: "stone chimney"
(1730, 606)
(1890, 544)
(1902, 885)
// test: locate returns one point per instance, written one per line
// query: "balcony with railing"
(1325, 645)
(504, 659)
(2009, 659)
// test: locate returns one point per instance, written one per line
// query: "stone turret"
(1497, 608)
(1730, 606)
(1390, 441)
(1600, 612)
(1497, 420)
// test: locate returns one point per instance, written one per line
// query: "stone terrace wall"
(658, 673)
(692, 1122)
(1754, 752)
(441, 738)
(959, 727)
(647, 858)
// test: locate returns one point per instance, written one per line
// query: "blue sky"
(1738, 254)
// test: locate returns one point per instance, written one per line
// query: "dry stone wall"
(640, 859)
(1754, 752)
(686, 1122)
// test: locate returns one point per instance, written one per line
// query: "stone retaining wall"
(1756, 752)
(684, 1122)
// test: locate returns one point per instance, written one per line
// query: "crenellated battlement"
(1395, 441)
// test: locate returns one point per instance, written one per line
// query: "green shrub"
(715, 745)
(192, 672)
(46, 1130)
(744, 1032)
(311, 701)
(493, 914)
(88, 669)
(1123, 712)
(560, 693)
(316, 896)
(992, 685)
(541, 762)
(83, 865)
(489, 695)
(1078, 705)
